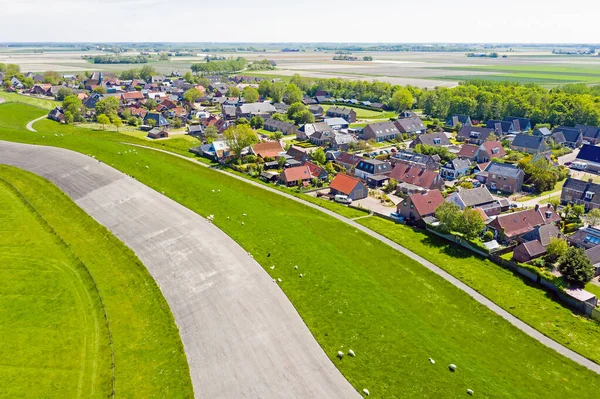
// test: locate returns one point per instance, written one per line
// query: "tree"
(73, 105)
(103, 120)
(470, 224)
(99, 90)
(147, 72)
(242, 121)
(151, 122)
(264, 87)
(277, 91)
(448, 214)
(557, 247)
(576, 267)
(578, 211)
(211, 133)
(330, 168)
(107, 106)
(189, 77)
(239, 137)
(390, 187)
(177, 123)
(402, 99)
(293, 94)
(593, 217)
(277, 135)
(250, 94)
(63, 92)
(233, 92)
(150, 104)
(318, 156)
(191, 95)
(257, 122)
(116, 121)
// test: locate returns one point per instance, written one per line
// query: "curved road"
(242, 336)
(30, 124)
(535, 334)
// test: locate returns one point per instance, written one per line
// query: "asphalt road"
(242, 336)
(524, 327)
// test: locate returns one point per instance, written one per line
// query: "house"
(468, 151)
(274, 125)
(316, 110)
(502, 177)
(131, 97)
(347, 113)
(268, 149)
(228, 111)
(380, 106)
(57, 115)
(309, 101)
(91, 101)
(195, 130)
(436, 139)
(454, 120)
(528, 251)
(316, 171)
(350, 186)
(264, 110)
(157, 133)
(16, 83)
(519, 124)
(411, 125)
(219, 123)
(345, 160)
(420, 205)
(408, 157)
(415, 179)
(298, 154)
(573, 136)
(309, 129)
(591, 134)
(158, 120)
(489, 150)
(501, 128)
(322, 138)
(529, 144)
(585, 238)
(322, 99)
(474, 134)
(588, 158)
(217, 150)
(543, 131)
(40, 89)
(371, 167)
(292, 176)
(381, 131)
(322, 93)
(337, 123)
(579, 192)
(341, 141)
(281, 108)
(455, 168)
(478, 197)
(512, 226)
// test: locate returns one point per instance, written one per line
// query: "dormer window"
(436, 141)
(475, 134)
(495, 151)
(589, 195)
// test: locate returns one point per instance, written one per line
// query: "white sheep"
(242, 223)
(147, 167)
(273, 267)
(351, 353)
(301, 275)
(244, 214)
(470, 392)
(452, 367)
(296, 267)
(366, 392)
(431, 361)
(340, 354)
(279, 280)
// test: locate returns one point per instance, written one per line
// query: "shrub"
(488, 236)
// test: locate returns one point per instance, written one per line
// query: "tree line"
(231, 65)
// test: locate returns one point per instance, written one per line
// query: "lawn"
(557, 188)
(34, 101)
(356, 292)
(522, 298)
(360, 113)
(57, 264)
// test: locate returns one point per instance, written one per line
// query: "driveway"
(569, 157)
(242, 336)
(374, 205)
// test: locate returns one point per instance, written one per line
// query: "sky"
(389, 21)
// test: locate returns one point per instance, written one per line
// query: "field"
(362, 113)
(356, 293)
(422, 69)
(62, 274)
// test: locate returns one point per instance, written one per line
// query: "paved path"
(242, 336)
(2, 100)
(30, 124)
(446, 276)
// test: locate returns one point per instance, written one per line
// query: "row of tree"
(231, 65)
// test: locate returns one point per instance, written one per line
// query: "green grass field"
(33, 101)
(360, 113)
(56, 263)
(356, 292)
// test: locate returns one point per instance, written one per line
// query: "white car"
(343, 199)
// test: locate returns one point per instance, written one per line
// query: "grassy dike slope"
(356, 292)
(54, 233)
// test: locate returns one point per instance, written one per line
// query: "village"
(512, 191)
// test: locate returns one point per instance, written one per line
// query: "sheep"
(147, 167)
(340, 354)
(366, 392)
(351, 353)
(301, 275)
(431, 361)
(55, 135)
(273, 267)
(452, 367)
(470, 392)
(296, 267)
(242, 223)
(244, 214)
(279, 280)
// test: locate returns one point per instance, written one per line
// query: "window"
(495, 151)
(436, 141)
(589, 195)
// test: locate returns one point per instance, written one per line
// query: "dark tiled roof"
(589, 132)
(434, 139)
(531, 142)
(502, 169)
(571, 134)
(412, 124)
(474, 132)
(589, 153)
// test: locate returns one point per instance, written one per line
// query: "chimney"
(537, 207)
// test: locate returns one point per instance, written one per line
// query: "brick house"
(502, 177)
(354, 188)
(417, 206)
(579, 192)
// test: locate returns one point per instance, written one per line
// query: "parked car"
(393, 150)
(342, 199)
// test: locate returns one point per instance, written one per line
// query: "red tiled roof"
(467, 151)
(133, 95)
(297, 173)
(267, 149)
(490, 145)
(426, 204)
(344, 183)
(414, 175)
(315, 170)
(349, 159)
(517, 223)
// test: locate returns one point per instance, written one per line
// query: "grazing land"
(391, 311)
(61, 273)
